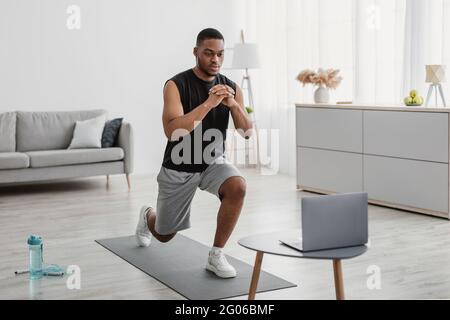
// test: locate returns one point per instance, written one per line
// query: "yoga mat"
(180, 265)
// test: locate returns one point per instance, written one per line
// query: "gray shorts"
(177, 189)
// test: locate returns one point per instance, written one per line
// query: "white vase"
(321, 95)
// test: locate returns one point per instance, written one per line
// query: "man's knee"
(165, 238)
(234, 188)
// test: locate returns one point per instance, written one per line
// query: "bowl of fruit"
(414, 99)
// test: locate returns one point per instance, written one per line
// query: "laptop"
(331, 222)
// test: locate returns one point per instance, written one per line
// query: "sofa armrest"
(125, 141)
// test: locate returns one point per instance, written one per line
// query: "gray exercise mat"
(180, 265)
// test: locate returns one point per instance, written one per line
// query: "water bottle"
(36, 256)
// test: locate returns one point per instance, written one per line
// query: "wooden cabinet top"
(374, 108)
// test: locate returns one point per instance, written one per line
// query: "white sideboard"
(398, 155)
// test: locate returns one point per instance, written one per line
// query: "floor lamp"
(245, 57)
(435, 76)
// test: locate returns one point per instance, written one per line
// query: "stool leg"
(255, 275)
(442, 95)
(430, 92)
(338, 280)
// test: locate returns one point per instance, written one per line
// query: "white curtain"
(427, 41)
(380, 46)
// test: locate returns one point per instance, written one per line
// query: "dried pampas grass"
(328, 78)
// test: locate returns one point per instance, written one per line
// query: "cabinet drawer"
(333, 129)
(411, 135)
(333, 171)
(412, 183)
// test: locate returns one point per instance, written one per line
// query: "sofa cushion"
(8, 132)
(51, 158)
(88, 133)
(38, 131)
(111, 132)
(13, 160)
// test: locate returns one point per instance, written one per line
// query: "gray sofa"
(33, 147)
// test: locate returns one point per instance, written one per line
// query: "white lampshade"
(436, 73)
(245, 56)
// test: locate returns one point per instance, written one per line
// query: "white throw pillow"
(88, 133)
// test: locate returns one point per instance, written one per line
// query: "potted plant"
(324, 79)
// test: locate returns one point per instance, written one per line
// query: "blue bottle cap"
(34, 240)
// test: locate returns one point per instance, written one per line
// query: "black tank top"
(193, 92)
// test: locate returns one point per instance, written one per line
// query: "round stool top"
(270, 243)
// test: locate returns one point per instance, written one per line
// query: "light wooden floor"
(411, 250)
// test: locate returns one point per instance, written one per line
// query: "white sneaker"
(217, 263)
(143, 234)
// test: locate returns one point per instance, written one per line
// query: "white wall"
(119, 60)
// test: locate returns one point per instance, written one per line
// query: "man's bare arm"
(173, 115)
(240, 116)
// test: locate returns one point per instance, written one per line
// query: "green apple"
(408, 100)
(419, 100)
(413, 93)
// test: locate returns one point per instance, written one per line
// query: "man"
(197, 105)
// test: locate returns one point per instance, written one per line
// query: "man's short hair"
(208, 33)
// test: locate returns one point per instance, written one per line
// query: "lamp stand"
(246, 84)
(246, 79)
(435, 87)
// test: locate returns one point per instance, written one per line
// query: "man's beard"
(205, 71)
